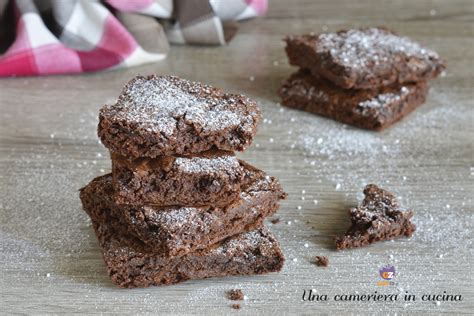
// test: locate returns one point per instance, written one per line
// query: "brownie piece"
(378, 217)
(364, 58)
(174, 231)
(166, 116)
(210, 178)
(371, 109)
(130, 263)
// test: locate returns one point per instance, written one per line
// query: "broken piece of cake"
(379, 217)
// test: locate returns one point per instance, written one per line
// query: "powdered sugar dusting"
(248, 242)
(173, 218)
(207, 164)
(361, 49)
(262, 183)
(384, 99)
(159, 104)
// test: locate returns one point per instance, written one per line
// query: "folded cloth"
(73, 36)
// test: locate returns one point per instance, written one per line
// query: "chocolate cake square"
(209, 178)
(177, 230)
(373, 109)
(130, 263)
(378, 217)
(364, 58)
(168, 116)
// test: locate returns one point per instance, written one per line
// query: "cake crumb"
(321, 261)
(275, 220)
(235, 295)
(235, 306)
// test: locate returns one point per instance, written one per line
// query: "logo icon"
(387, 273)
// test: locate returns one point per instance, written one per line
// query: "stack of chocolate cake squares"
(369, 78)
(178, 204)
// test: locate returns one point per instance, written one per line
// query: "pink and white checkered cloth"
(73, 36)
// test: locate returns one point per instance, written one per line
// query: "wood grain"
(51, 262)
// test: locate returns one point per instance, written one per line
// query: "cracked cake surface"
(166, 115)
(378, 217)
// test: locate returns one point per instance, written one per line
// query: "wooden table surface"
(50, 260)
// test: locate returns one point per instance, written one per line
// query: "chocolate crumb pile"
(369, 78)
(178, 204)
